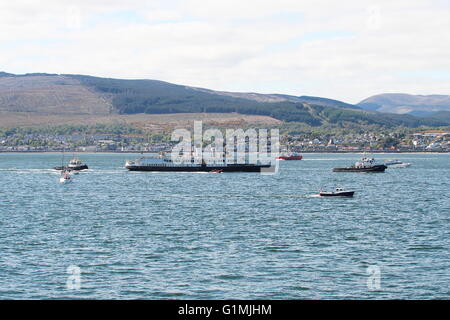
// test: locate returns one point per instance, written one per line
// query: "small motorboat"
(397, 164)
(339, 192)
(216, 171)
(65, 177)
(401, 165)
(392, 162)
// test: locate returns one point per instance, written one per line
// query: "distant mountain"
(440, 115)
(419, 105)
(51, 94)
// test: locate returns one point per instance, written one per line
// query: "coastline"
(302, 152)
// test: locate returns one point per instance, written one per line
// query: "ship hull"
(376, 168)
(79, 168)
(337, 194)
(290, 158)
(229, 168)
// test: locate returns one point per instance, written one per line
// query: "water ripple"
(230, 236)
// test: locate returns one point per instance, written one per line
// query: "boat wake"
(118, 171)
(328, 159)
(169, 172)
(16, 170)
(399, 165)
(313, 196)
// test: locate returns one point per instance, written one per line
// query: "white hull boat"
(65, 178)
(400, 165)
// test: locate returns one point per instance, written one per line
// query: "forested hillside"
(150, 96)
(50, 94)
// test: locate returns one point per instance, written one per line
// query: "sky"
(346, 50)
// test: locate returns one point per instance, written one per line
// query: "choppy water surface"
(217, 236)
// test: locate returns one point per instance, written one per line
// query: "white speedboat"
(392, 162)
(400, 165)
(65, 177)
(396, 164)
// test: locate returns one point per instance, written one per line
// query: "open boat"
(396, 164)
(392, 162)
(400, 165)
(65, 177)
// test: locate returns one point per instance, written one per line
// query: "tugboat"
(290, 156)
(364, 165)
(339, 192)
(74, 165)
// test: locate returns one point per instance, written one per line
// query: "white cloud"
(344, 50)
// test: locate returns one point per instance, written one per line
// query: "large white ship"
(163, 163)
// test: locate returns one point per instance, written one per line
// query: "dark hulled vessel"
(339, 192)
(74, 165)
(163, 163)
(364, 165)
(375, 168)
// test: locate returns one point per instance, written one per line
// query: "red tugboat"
(290, 156)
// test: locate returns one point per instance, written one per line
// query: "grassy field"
(149, 122)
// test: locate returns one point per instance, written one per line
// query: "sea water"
(114, 234)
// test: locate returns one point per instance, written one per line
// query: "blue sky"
(343, 50)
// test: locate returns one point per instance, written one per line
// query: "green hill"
(79, 94)
(150, 96)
